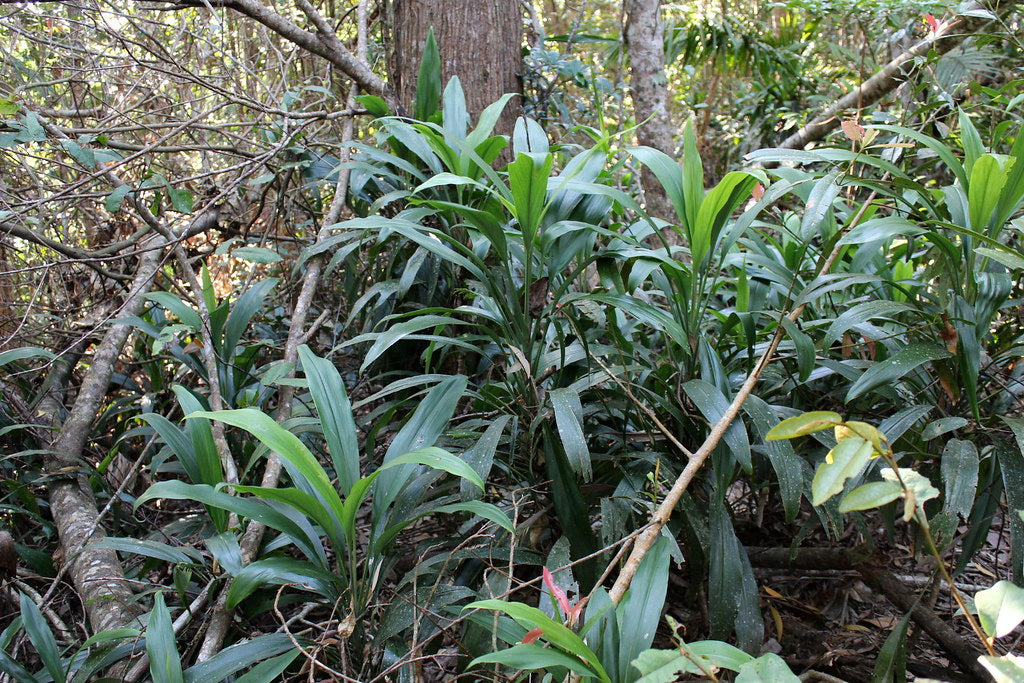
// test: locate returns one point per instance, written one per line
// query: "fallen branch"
(890, 76)
(652, 529)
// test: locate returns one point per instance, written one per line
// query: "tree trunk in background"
(648, 86)
(480, 41)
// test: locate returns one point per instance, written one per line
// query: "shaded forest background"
(495, 340)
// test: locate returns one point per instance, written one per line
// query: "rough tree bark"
(648, 87)
(96, 572)
(480, 41)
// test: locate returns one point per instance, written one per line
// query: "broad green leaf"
(335, 413)
(281, 571)
(269, 670)
(804, 345)
(768, 668)
(242, 312)
(664, 666)
(1000, 608)
(895, 367)
(987, 181)
(235, 658)
(871, 496)
(921, 490)
(802, 425)
(819, 204)
(568, 410)
(115, 198)
(151, 548)
(943, 425)
(246, 507)
(713, 405)
(1005, 669)
(668, 172)
(881, 229)
(960, 475)
(787, 464)
(1011, 259)
(454, 117)
(639, 612)
(286, 445)
(23, 352)
(428, 85)
(179, 308)
(481, 455)
(891, 664)
(164, 660)
(256, 254)
(715, 210)
(554, 632)
(42, 637)
(437, 459)
(848, 459)
(395, 333)
(528, 180)
(481, 509)
(528, 656)
(721, 654)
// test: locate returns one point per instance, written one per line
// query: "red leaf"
(758, 192)
(933, 23)
(560, 596)
(853, 130)
(532, 635)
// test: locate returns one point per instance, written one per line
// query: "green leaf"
(164, 660)
(668, 172)
(568, 410)
(151, 548)
(804, 345)
(252, 509)
(891, 664)
(375, 105)
(871, 496)
(8, 108)
(21, 353)
(42, 638)
(802, 425)
(481, 509)
(554, 632)
(242, 312)
(959, 469)
(269, 670)
(640, 610)
(256, 254)
(529, 656)
(185, 313)
(664, 666)
(286, 445)
(819, 204)
(437, 459)
(335, 413)
(895, 367)
(281, 571)
(235, 658)
(1005, 669)
(943, 425)
(428, 85)
(849, 458)
(1011, 259)
(768, 668)
(920, 488)
(481, 455)
(528, 181)
(715, 210)
(1000, 608)
(181, 200)
(713, 404)
(455, 118)
(987, 181)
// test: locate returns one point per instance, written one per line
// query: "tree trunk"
(480, 41)
(648, 86)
